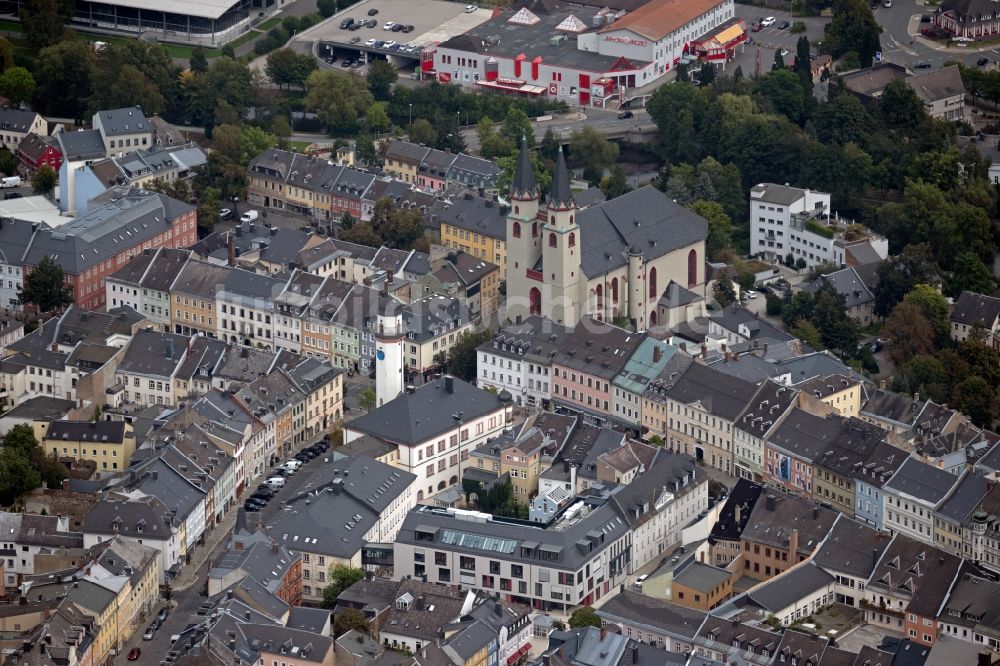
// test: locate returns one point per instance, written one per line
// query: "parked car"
(923, 64)
(252, 506)
(751, 295)
(292, 465)
(134, 653)
(784, 52)
(925, 18)
(225, 214)
(161, 617)
(371, 23)
(264, 491)
(767, 22)
(346, 23)
(370, 42)
(388, 25)
(625, 114)
(249, 216)
(372, 12)
(355, 40)
(639, 581)
(345, 63)
(756, 27)
(982, 62)
(784, 25)
(888, 4)
(471, 8)
(276, 481)
(389, 44)
(407, 28)
(12, 195)
(149, 633)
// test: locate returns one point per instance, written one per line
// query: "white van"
(638, 581)
(249, 216)
(292, 465)
(11, 181)
(276, 482)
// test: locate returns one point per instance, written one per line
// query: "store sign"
(625, 40)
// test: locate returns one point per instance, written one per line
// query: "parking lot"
(772, 38)
(433, 21)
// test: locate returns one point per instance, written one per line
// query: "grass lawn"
(269, 23)
(11, 26)
(299, 146)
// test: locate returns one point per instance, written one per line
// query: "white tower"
(388, 357)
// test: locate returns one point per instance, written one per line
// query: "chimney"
(985, 658)
(656, 354)
(572, 478)
(635, 654)
(604, 633)
(411, 389)
(770, 503)
(881, 384)
(916, 396)
(793, 547)
(449, 383)
(231, 248)
(704, 350)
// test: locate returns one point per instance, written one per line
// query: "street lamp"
(411, 113)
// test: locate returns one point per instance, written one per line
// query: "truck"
(249, 216)
(10, 181)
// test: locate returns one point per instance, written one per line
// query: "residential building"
(16, 125)
(78, 149)
(912, 495)
(858, 298)
(701, 586)
(123, 128)
(109, 444)
(794, 595)
(474, 173)
(351, 503)
(843, 393)
(476, 225)
(244, 308)
(251, 554)
(149, 365)
(557, 566)
(575, 468)
(432, 172)
(781, 532)
(132, 571)
(165, 479)
(144, 283)
(850, 554)
(31, 539)
(192, 295)
(800, 222)
(583, 370)
(653, 621)
(718, 638)
(702, 406)
(432, 326)
(475, 282)
(942, 91)
(145, 521)
(725, 538)
(620, 268)
(955, 511)
(764, 414)
(435, 427)
(403, 158)
(36, 150)
(869, 478)
(519, 360)
(972, 310)
(647, 363)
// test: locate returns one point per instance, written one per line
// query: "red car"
(133, 654)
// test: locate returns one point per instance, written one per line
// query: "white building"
(519, 359)
(435, 427)
(911, 496)
(146, 521)
(245, 306)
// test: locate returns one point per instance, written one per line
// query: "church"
(615, 259)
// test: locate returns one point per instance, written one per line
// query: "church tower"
(561, 246)
(524, 292)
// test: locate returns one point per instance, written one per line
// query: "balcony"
(878, 608)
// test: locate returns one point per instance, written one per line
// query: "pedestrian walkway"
(189, 573)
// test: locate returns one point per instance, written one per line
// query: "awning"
(524, 88)
(513, 658)
(524, 649)
(729, 34)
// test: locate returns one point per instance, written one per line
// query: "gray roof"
(759, 329)
(199, 278)
(589, 197)
(937, 84)
(781, 592)
(921, 481)
(432, 316)
(406, 151)
(718, 394)
(470, 640)
(524, 184)
(91, 596)
(645, 218)
(560, 195)
(848, 284)
(42, 408)
(774, 528)
(675, 296)
(782, 195)
(127, 517)
(427, 412)
(476, 165)
(517, 540)
(338, 505)
(308, 619)
(965, 497)
(652, 614)
(891, 406)
(534, 339)
(160, 480)
(476, 214)
(153, 353)
(851, 548)
(87, 431)
(283, 245)
(598, 348)
(972, 307)
(81, 145)
(128, 120)
(702, 577)
(16, 120)
(816, 364)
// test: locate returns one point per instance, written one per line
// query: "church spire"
(524, 186)
(561, 196)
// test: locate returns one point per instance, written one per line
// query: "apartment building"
(145, 521)
(144, 283)
(648, 362)
(781, 532)
(972, 310)
(764, 414)
(245, 308)
(911, 497)
(109, 444)
(192, 296)
(149, 365)
(123, 129)
(519, 360)
(476, 225)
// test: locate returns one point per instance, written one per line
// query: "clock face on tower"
(380, 355)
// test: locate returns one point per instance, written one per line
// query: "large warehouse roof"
(210, 9)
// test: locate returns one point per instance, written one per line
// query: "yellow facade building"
(110, 444)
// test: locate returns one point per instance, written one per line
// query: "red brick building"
(120, 224)
(34, 151)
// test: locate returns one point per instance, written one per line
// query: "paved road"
(901, 43)
(600, 119)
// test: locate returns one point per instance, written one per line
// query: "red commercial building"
(120, 224)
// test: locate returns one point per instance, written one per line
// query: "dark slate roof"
(852, 548)
(701, 577)
(965, 497)
(82, 145)
(744, 495)
(534, 339)
(733, 317)
(918, 570)
(717, 393)
(16, 120)
(283, 245)
(937, 84)
(767, 405)
(783, 591)
(129, 120)
(652, 614)
(806, 649)
(591, 196)
(524, 185)
(33, 145)
(972, 307)
(891, 406)
(87, 431)
(154, 353)
(598, 348)
(406, 151)
(427, 412)
(969, 8)
(645, 218)
(782, 195)
(815, 364)
(470, 639)
(476, 165)
(430, 317)
(476, 214)
(132, 272)
(790, 513)
(922, 481)
(848, 284)
(199, 278)
(308, 619)
(675, 296)
(126, 517)
(724, 631)
(42, 408)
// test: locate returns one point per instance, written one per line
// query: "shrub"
(798, 28)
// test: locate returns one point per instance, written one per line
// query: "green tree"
(615, 184)
(549, 147)
(803, 64)
(783, 90)
(44, 22)
(327, 8)
(349, 619)
(6, 54)
(366, 399)
(341, 577)
(588, 147)
(44, 180)
(970, 274)
(462, 356)
(17, 85)
(853, 30)
(491, 144)
(361, 234)
(422, 132)
(934, 307)
(724, 292)
(8, 163)
(807, 332)
(900, 107)
(843, 120)
(516, 124)
(977, 398)
(208, 210)
(281, 129)
(376, 118)
(909, 333)
(63, 74)
(338, 99)
(45, 286)
(706, 75)
(286, 67)
(720, 227)
(381, 77)
(779, 62)
(897, 276)
(17, 476)
(585, 617)
(198, 61)
(683, 76)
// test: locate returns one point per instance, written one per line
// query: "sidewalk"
(189, 573)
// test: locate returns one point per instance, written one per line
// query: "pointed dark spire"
(561, 196)
(524, 186)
